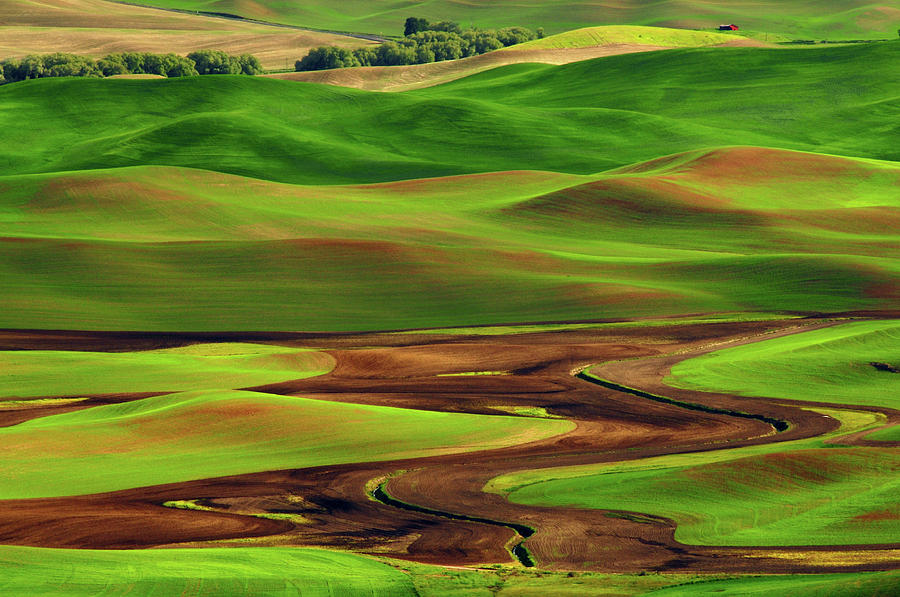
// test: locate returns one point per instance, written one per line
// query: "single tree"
(7, 68)
(215, 62)
(134, 62)
(30, 67)
(393, 54)
(424, 55)
(414, 25)
(448, 26)
(113, 64)
(365, 56)
(179, 66)
(250, 64)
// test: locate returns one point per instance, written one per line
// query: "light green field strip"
(336, 284)
(888, 434)
(625, 34)
(829, 19)
(759, 183)
(757, 495)
(273, 572)
(866, 584)
(433, 581)
(276, 572)
(201, 366)
(195, 435)
(826, 365)
(850, 422)
(164, 204)
(503, 330)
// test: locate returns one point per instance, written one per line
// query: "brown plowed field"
(333, 506)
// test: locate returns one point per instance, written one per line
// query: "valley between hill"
(622, 321)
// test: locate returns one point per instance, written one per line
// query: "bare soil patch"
(408, 370)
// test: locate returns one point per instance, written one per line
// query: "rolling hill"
(592, 116)
(185, 250)
(563, 48)
(211, 433)
(796, 18)
(143, 573)
(121, 209)
(97, 27)
(828, 365)
(704, 216)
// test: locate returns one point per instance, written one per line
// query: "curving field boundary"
(411, 371)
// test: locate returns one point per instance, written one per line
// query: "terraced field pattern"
(612, 312)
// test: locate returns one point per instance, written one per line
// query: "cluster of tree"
(49, 65)
(416, 24)
(203, 62)
(216, 62)
(423, 42)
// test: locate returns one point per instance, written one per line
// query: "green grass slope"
(753, 96)
(626, 34)
(60, 373)
(572, 46)
(593, 115)
(829, 365)
(277, 572)
(103, 227)
(867, 584)
(201, 434)
(795, 18)
(825, 497)
(888, 434)
(769, 494)
(431, 581)
(273, 572)
(172, 249)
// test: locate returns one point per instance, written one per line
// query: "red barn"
(731, 27)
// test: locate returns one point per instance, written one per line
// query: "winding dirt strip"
(649, 373)
(401, 370)
(515, 547)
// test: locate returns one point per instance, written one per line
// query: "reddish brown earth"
(407, 370)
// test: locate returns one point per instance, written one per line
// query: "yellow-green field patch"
(194, 435)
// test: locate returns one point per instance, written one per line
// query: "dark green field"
(581, 118)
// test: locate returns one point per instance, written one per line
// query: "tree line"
(202, 62)
(422, 42)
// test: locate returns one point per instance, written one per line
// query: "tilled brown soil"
(334, 507)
